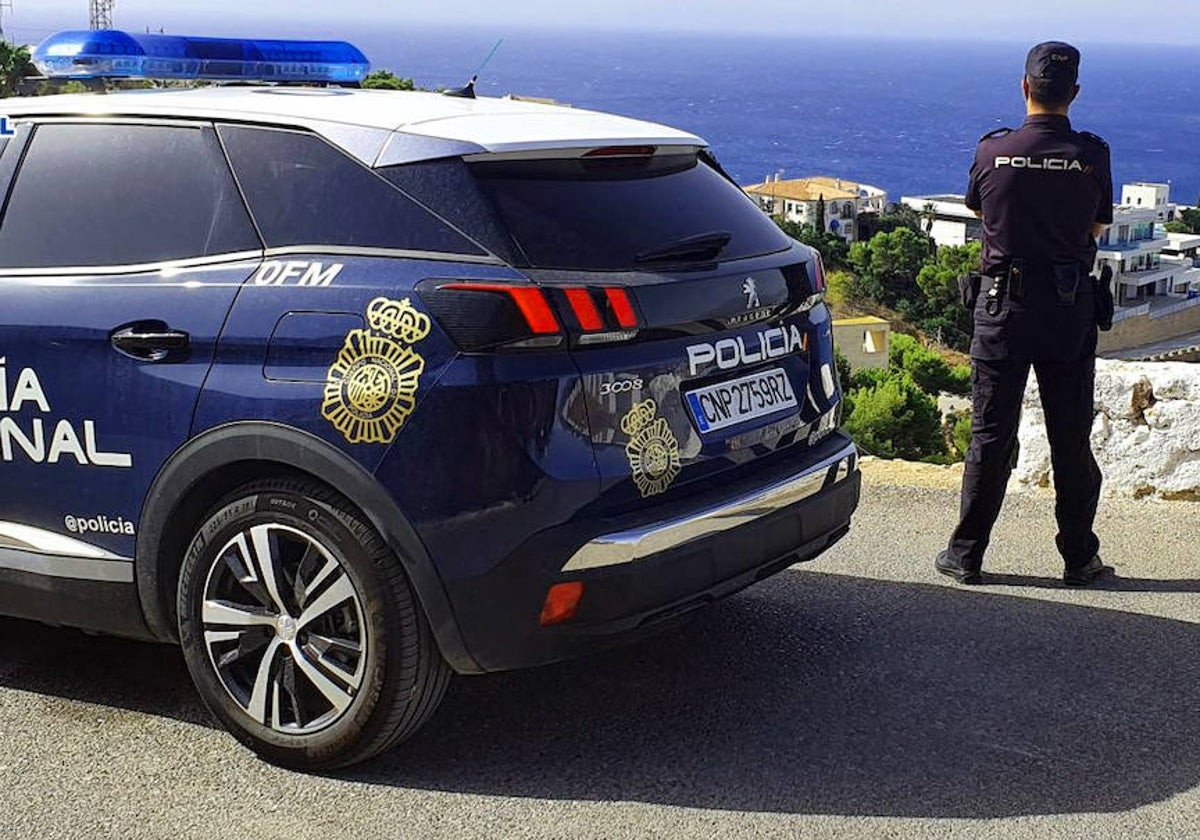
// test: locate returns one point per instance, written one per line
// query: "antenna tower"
(5, 5)
(101, 17)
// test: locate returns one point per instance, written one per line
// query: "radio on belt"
(110, 53)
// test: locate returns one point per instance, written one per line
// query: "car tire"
(301, 631)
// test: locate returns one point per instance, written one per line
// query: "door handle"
(153, 342)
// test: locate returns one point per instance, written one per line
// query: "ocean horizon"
(901, 115)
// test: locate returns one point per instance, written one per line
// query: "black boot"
(1083, 575)
(951, 568)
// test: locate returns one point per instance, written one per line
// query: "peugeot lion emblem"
(750, 290)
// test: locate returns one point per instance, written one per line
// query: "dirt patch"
(879, 471)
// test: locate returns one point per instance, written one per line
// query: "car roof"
(364, 121)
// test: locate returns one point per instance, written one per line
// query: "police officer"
(1044, 193)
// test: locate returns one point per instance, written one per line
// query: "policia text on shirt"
(1044, 192)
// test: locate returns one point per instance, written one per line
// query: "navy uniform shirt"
(1041, 188)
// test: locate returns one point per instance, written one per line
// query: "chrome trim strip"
(172, 268)
(106, 571)
(27, 538)
(629, 546)
(169, 268)
(361, 251)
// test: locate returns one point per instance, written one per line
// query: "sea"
(901, 115)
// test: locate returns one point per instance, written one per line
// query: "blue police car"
(348, 390)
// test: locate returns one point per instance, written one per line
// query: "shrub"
(894, 418)
(928, 369)
(958, 430)
(960, 381)
(842, 364)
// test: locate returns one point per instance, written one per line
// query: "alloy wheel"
(284, 629)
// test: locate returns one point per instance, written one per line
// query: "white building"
(1133, 247)
(946, 218)
(865, 342)
(1141, 195)
(796, 201)
(1183, 246)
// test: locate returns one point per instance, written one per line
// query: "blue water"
(902, 116)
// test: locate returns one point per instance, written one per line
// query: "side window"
(116, 194)
(303, 191)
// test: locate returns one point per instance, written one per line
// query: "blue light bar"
(109, 53)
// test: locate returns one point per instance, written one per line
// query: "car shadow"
(821, 694)
(810, 693)
(107, 671)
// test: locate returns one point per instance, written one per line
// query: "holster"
(968, 288)
(1105, 305)
(1066, 283)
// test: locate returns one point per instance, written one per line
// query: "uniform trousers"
(1067, 393)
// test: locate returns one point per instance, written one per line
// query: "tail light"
(480, 315)
(806, 283)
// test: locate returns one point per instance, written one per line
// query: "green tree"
(14, 66)
(819, 223)
(941, 311)
(888, 266)
(833, 248)
(897, 216)
(1189, 217)
(387, 80)
(896, 419)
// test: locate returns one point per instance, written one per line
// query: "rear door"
(696, 323)
(122, 247)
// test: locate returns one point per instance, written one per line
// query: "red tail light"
(818, 274)
(618, 299)
(488, 316)
(561, 602)
(529, 299)
(621, 151)
(585, 309)
(482, 315)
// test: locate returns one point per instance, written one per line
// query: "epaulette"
(999, 132)
(1095, 138)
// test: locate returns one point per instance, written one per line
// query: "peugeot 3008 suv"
(348, 390)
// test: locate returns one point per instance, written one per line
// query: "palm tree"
(14, 65)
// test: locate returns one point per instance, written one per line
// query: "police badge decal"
(371, 388)
(652, 450)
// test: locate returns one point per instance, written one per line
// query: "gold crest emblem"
(653, 450)
(371, 388)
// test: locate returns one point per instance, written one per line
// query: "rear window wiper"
(702, 247)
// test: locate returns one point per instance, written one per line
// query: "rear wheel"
(301, 631)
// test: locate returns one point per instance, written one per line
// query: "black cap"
(1055, 61)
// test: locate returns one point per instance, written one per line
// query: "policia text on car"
(1044, 192)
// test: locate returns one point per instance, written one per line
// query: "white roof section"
(494, 125)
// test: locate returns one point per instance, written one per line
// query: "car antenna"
(468, 91)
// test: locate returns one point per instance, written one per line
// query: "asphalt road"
(857, 696)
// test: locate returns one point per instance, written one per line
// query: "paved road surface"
(856, 697)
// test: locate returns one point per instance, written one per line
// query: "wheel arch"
(217, 461)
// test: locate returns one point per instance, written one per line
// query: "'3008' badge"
(371, 389)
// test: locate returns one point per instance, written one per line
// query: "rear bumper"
(646, 568)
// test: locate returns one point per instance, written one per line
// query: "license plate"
(738, 400)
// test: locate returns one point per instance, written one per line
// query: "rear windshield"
(598, 215)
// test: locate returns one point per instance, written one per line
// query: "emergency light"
(110, 53)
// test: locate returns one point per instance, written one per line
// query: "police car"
(347, 390)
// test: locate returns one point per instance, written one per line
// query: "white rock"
(1146, 433)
